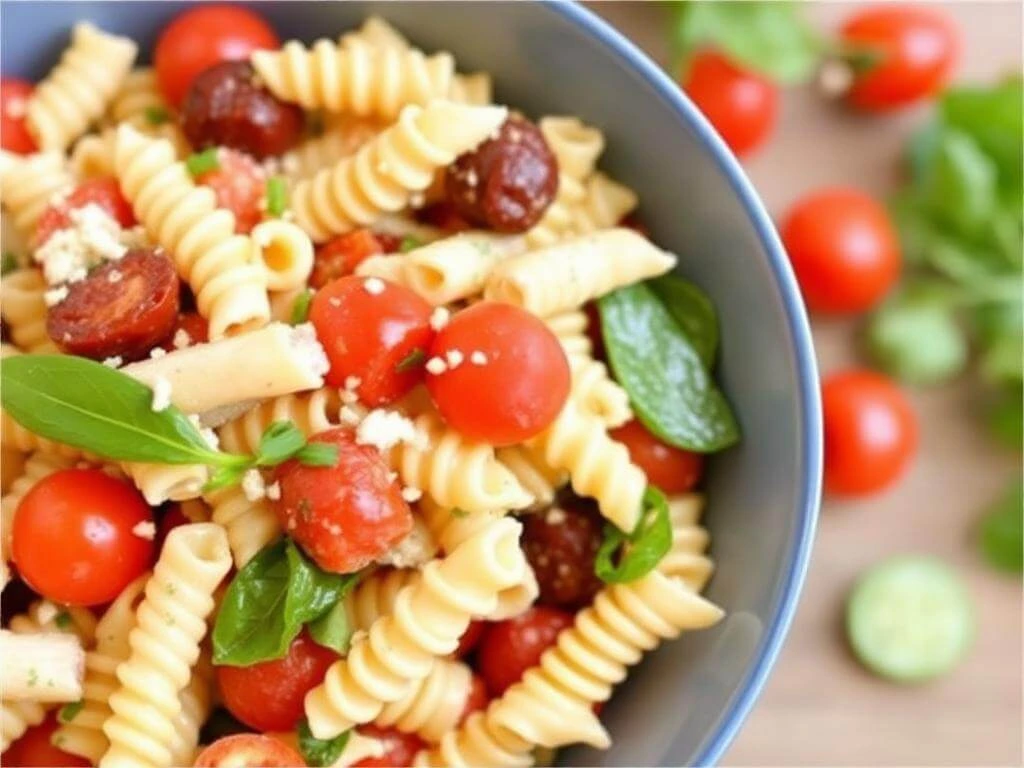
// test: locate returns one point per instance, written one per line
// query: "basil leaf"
(1006, 417)
(962, 189)
(280, 441)
(318, 455)
(300, 307)
(992, 116)
(1002, 531)
(85, 404)
(693, 311)
(320, 752)
(668, 385)
(642, 549)
(332, 630)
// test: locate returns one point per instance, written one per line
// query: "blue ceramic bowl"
(685, 703)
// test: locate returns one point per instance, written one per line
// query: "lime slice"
(910, 619)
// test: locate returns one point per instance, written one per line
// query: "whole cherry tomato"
(511, 647)
(248, 750)
(14, 96)
(671, 469)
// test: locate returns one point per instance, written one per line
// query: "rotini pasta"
(79, 89)
(311, 412)
(576, 146)
(285, 253)
(250, 525)
(434, 705)
(196, 702)
(597, 394)
(337, 142)
(377, 32)
(533, 473)
(23, 308)
(686, 559)
(375, 595)
(478, 741)
(558, 220)
(605, 205)
(139, 102)
(29, 184)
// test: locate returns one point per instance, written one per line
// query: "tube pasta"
(285, 252)
(23, 307)
(29, 184)
(566, 275)
(44, 666)
(386, 171)
(429, 617)
(219, 265)
(576, 146)
(434, 705)
(78, 90)
(250, 525)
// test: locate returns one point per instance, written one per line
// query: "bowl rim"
(792, 582)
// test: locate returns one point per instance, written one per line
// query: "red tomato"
(35, 749)
(511, 647)
(870, 432)
(741, 105)
(101, 191)
(511, 379)
(345, 516)
(173, 518)
(203, 36)
(194, 325)
(14, 96)
(477, 699)
(916, 49)
(843, 248)
(341, 255)
(399, 748)
(73, 539)
(248, 750)
(470, 638)
(240, 184)
(671, 469)
(372, 329)
(268, 696)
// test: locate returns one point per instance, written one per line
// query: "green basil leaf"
(1002, 531)
(638, 552)
(318, 455)
(693, 311)
(332, 630)
(90, 406)
(70, 711)
(300, 307)
(668, 385)
(1001, 360)
(994, 117)
(199, 163)
(280, 441)
(320, 752)
(962, 189)
(1006, 417)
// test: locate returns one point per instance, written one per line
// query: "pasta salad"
(349, 415)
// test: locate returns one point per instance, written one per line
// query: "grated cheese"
(478, 358)
(145, 529)
(411, 494)
(55, 296)
(161, 394)
(555, 516)
(455, 358)
(439, 318)
(274, 491)
(113, 362)
(157, 352)
(115, 276)
(374, 286)
(181, 339)
(436, 366)
(413, 551)
(91, 237)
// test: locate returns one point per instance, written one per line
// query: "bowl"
(685, 702)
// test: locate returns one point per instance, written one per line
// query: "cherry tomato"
(870, 432)
(195, 327)
(561, 545)
(470, 638)
(203, 36)
(399, 748)
(347, 515)
(506, 378)
(248, 750)
(34, 748)
(102, 191)
(741, 105)
(341, 255)
(240, 184)
(916, 49)
(14, 96)
(73, 537)
(477, 699)
(843, 248)
(268, 696)
(374, 330)
(671, 469)
(511, 647)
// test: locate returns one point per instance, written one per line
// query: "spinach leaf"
(693, 311)
(1002, 531)
(641, 550)
(320, 752)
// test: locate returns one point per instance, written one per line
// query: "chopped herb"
(457, 512)
(319, 752)
(300, 307)
(409, 243)
(199, 163)
(157, 115)
(277, 196)
(33, 677)
(412, 361)
(9, 263)
(62, 620)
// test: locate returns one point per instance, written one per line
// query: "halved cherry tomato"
(14, 96)
(477, 699)
(347, 515)
(341, 255)
(268, 696)
(671, 469)
(240, 184)
(102, 191)
(741, 105)
(507, 377)
(73, 537)
(470, 638)
(248, 750)
(914, 48)
(399, 748)
(203, 36)
(373, 330)
(843, 249)
(34, 749)
(870, 432)
(511, 647)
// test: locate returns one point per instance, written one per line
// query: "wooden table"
(820, 707)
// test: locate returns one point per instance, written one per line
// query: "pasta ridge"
(29, 184)
(478, 741)
(250, 525)
(24, 309)
(434, 705)
(311, 412)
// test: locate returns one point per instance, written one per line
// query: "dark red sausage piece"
(560, 545)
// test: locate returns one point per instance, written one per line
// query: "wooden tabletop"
(820, 707)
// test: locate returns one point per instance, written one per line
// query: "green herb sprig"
(320, 752)
(199, 163)
(624, 557)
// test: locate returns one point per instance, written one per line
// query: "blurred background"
(954, 496)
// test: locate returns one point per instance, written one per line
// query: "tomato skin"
(671, 469)
(192, 323)
(103, 191)
(918, 49)
(73, 540)
(400, 748)
(843, 249)
(14, 134)
(511, 647)
(871, 432)
(741, 105)
(519, 388)
(477, 699)
(368, 335)
(470, 638)
(248, 750)
(341, 255)
(345, 516)
(268, 696)
(203, 36)
(35, 749)
(240, 184)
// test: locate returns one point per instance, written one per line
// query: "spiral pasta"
(311, 412)
(196, 701)
(23, 307)
(386, 171)
(605, 205)
(375, 595)
(29, 184)
(575, 145)
(139, 101)
(434, 705)
(220, 266)
(686, 559)
(93, 155)
(377, 32)
(339, 141)
(429, 617)
(566, 275)
(533, 473)
(285, 252)
(171, 621)
(478, 741)
(597, 394)
(250, 525)
(78, 90)
(558, 220)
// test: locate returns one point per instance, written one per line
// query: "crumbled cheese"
(454, 358)
(348, 398)
(46, 613)
(349, 416)
(374, 286)
(555, 516)
(55, 296)
(392, 477)
(210, 437)
(181, 339)
(417, 200)
(253, 486)
(290, 164)
(113, 362)
(114, 276)
(274, 491)
(411, 494)
(157, 352)
(334, 301)
(439, 318)
(477, 357)
(385, 429)
(91, 237)
(161, 394)
(414, 550)
(436, 366)
(145, 529)
(471, 178)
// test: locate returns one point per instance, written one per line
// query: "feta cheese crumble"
(374, 286)
(439, 318)
(181, 339)
(113, 362)
(161, 394)
(253, 486)
(478, 358)
(55, 296)
(385, 429)
(91, 237)
(274, 491)
(436, 366)
(145, 529)
(455, 358)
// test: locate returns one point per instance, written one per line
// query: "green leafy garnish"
(333, 630)
(277, 196)
(317, 455)
(320, 752)
(1002, 531)
(693, 311)
(412, 361)
(9, 263)
(409, 243)
(300, 307)
(199, 163)
(62, 620)
(69, 711)
(279, 442)
(156, 115)
(639, 552)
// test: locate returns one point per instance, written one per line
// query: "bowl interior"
(685, 702)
